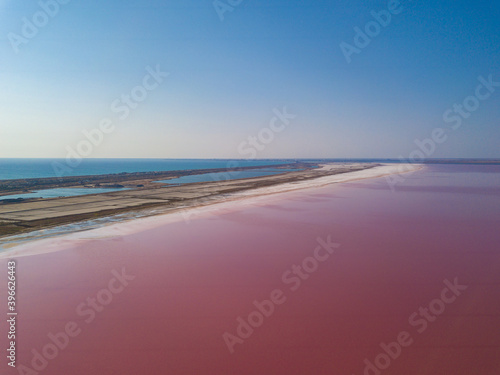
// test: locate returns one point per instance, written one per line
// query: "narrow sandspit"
(200, 200)
(377, 171)
(25, 215)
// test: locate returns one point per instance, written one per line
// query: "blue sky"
(227, 76)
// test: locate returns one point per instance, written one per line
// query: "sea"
(38, 168)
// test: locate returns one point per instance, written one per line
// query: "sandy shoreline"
(203, 209)
(28, 215)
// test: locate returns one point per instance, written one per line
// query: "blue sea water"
(38, 168)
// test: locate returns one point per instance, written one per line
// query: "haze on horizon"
(206, 75)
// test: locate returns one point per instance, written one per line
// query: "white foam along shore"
(224, 204)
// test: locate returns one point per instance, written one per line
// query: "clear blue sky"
(226, 77)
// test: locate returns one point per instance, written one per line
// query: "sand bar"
(181, 203)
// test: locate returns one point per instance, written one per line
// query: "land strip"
(128, 180)
(29, 215)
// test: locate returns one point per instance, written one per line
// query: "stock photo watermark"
(31, 25)
(255, 144)
(293, 278)
(59, 341)
(419, 321)
(249, 149)
(222, 7)
(11, 313)
(122, 108)
(454, 117)
(363, 37)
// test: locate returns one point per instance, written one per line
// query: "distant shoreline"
(126, 179)
(29, 169)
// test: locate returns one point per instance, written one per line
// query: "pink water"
(192, 281)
